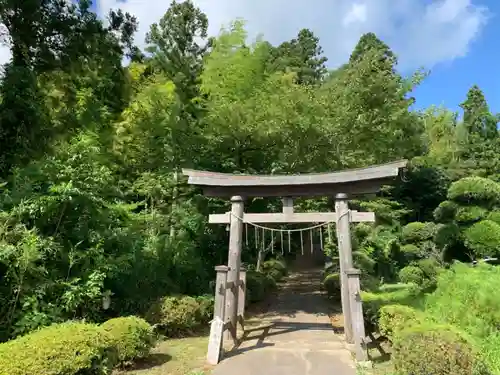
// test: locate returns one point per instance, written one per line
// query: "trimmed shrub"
(417, 232)
(483, 238)
(69, 348)
(446, 234)
(402, 294)
(478, 190)
(494, 216)
(411, 274)
(431, 269)
(259, 285)
(205, 309)
(133, 337)
(394, 318)
(175, 314)
(445, 212)
(470, 214)
(331, 284)
(435, 349)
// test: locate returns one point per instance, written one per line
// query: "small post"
(241, 297)
(217, 326)
(287, 205)
(358, 323)
(234, 261)
(345, 255)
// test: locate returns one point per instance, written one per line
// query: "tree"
(302, 55)
(478, 119)
(176, 48)
(370, 42)
(67, 45)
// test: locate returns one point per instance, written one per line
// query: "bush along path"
(77, 347)
(296, 336)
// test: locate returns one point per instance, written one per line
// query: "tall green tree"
(178, 43)
(370, 42)
(478, 120)
(66, 44)
(302, 55)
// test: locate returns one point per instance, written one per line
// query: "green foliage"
(470, 214)
(435, 349)
(404, 294)
(477, 190)
(69, 348)
(332, 285)
(175, 315)
(259, 285)
(483, 238)
(445, 212)
(466, 297)
(132, 337)
(411, 274)
(417, 232)
(395, 318)
(276, 269)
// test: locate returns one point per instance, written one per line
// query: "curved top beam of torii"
(351, 181)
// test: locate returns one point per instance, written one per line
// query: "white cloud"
(420, 32)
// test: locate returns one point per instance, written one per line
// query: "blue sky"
(455, 39)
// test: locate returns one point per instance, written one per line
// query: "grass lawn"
(174, 357)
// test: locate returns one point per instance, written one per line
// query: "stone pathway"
(301, 340)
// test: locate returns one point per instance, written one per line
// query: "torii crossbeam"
(353, 182)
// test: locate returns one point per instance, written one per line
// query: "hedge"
(61, 349)
(435, 349)
(133, 338)
(175, 315)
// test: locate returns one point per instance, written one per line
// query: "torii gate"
(354, 182)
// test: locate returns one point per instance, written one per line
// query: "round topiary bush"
(133, 337)
(69, 348)
(331, 284)
(417, 232)
(483, 238)
(433, 349)
(470, 214)
(175, 314)
(494, 216)
(476, 190)
(411, 274)
(445, 212)
(394, 318)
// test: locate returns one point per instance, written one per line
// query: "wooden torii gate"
(354, 182)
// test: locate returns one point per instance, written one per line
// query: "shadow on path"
(294, 336)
